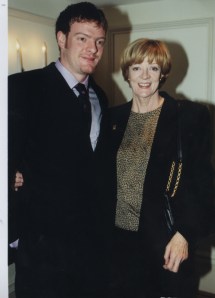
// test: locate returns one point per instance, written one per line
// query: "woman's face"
(144, 79)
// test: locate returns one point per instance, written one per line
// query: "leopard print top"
(132, 162)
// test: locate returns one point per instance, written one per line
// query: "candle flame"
(44, 47)
(17, 45)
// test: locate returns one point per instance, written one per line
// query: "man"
(57, 140)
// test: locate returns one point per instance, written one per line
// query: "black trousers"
(60, 285)
(137, 270)
(54, 274)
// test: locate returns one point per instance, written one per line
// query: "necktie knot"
(81, 89)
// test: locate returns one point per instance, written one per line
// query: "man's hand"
(175, 253)
(19, 181)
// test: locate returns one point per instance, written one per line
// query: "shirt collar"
(68, 76)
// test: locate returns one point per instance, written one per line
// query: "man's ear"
(61, 39)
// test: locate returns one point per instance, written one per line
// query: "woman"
(148, 261)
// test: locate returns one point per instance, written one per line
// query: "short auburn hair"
(154, 50)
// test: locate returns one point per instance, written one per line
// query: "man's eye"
(83, 39)
(100, 43)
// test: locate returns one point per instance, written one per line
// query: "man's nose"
(92, 47)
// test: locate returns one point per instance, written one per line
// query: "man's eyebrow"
(77, 33)
(87, 35)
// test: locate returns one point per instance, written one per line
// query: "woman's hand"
(18, 181)
(175, 253)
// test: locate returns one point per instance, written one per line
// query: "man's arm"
(19, 181)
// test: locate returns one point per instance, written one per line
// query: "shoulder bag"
(175, 171)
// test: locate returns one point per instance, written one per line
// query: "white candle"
(44, 50)
(19, 53)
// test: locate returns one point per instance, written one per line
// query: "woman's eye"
(135, 68)
(154, 68)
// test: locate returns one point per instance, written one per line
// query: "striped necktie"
(83, 97)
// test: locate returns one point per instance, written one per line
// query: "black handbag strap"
(179, 141)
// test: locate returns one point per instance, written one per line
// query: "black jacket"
(65, 195)
(193, 201)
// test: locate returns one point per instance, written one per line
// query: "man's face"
(82, 49)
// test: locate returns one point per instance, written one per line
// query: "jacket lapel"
(118, 121)
(164, 148)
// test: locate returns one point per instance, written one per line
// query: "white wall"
(46, 8)
(188, 27)
(3, 150)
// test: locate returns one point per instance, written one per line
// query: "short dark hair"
(80, 12)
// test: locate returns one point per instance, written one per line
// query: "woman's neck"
(146, 104)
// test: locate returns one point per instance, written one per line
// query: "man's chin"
(88, 69)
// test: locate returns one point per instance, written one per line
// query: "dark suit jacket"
(193, 200)
(62, 206)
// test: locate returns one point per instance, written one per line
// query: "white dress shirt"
(95, 106)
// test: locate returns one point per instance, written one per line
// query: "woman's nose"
(145, 73)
